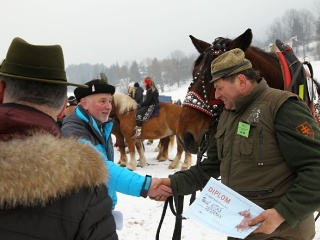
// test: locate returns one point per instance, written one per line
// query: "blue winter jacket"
(80, 124)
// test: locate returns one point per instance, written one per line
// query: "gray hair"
(40, 93)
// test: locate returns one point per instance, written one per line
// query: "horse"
(200, 111)
(162, 148)
(163, 125)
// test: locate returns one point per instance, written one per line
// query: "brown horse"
(159, 127)
(162, 148)
(200, 109)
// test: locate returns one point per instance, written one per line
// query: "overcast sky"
(111, 31)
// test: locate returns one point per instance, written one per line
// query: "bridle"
(200, 101)
(195, 100)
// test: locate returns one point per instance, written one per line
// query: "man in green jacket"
(267, 148)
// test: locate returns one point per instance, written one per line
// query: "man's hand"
(158, 192)
(138, 106)
(270, 219)
(163, 181)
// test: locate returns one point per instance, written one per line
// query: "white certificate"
(220, 209)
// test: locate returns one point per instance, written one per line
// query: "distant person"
(178, 102)
(146, 108)
(72, 103)
(136, 92)
(90, 123)
(51, 188)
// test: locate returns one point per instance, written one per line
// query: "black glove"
(138, 106)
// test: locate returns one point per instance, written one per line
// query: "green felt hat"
(229, 63)
(43, 63)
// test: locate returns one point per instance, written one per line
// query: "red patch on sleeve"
(305, 129)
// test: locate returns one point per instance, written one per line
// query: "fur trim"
(40, 168)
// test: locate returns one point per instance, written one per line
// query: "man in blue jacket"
(90, 123)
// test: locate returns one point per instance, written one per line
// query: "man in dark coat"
(138, 93)
(266, 148)
(51, 188)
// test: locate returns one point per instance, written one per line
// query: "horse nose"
(190, 144)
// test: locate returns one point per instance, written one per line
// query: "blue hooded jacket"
(80, 124)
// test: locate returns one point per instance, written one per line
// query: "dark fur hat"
(94, 87)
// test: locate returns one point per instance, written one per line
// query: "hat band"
(226, 72)
(33, 72)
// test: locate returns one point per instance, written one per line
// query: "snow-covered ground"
(141, 216)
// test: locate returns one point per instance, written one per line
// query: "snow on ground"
(141, 216)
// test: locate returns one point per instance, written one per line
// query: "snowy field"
(141, 216)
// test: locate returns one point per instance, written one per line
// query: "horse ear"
(243, 41)
(200, 45)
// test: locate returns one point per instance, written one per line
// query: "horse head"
(201, 110)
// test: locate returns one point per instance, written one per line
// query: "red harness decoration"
(285, 70)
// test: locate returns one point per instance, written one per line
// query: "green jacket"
(301, 155)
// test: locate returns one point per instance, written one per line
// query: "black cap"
(94, 87)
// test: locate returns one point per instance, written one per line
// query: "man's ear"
(2, 87)
(84, 103)
(60, 115)
(242, 80)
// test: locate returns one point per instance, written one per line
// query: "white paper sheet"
(220, 209)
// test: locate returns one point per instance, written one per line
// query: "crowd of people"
(61, 182)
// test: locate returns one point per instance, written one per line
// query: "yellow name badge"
(243, 129)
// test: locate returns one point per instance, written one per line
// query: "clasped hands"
(160, 189)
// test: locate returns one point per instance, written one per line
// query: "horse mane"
(123, 102)
(263, 52)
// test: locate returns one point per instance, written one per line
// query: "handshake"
(160, 189)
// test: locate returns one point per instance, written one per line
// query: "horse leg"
(164, 149)
(187, 161)
(139, 147)
(157, 149)
(176, 161)
(132, 165)
(123, 156)
(121, 144)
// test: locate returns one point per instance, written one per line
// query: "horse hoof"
(131, 168)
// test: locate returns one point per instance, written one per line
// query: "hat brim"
(52, 81)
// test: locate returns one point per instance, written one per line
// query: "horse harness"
(297, 79)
